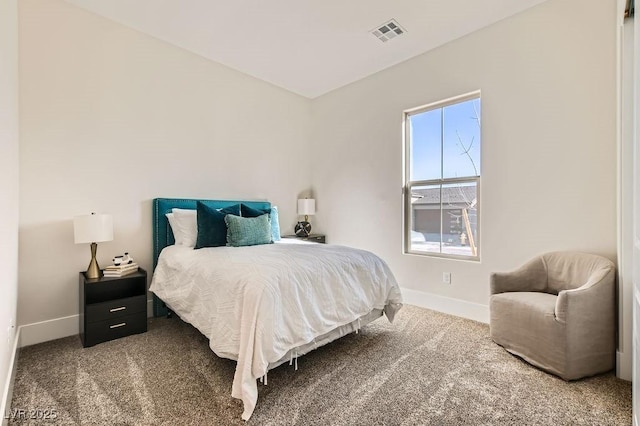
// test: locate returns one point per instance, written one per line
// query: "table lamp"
(306, 207)
(93, 228)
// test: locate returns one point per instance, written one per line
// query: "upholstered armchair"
(558, 312)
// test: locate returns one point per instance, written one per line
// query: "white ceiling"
(309, 48)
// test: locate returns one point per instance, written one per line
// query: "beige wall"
(8, 185)
(548, 82)
(112, 118)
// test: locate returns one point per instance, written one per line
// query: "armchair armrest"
(532, 276)
(590, 299)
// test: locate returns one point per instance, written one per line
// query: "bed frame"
(163, 236)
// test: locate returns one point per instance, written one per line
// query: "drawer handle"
(121, 308)
(122, 324)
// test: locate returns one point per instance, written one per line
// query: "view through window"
(442, 178)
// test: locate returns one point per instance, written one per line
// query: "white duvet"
(257, 303)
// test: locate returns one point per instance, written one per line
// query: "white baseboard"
(149, 308)
(7, 394)
(448, 305)
(44, 331)
(624, 366)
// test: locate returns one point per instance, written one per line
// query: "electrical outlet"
(446, 278)
(10, 330)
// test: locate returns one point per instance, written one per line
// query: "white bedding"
(257, 303)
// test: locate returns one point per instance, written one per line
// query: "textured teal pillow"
(212, 230)
(248, 231)
(246, 211)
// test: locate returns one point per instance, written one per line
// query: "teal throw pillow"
(212, 230)
(248, 231)
(246, 211)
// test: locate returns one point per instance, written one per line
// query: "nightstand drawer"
(116, 308)
(102, 331)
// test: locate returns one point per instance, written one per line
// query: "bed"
(264, 305)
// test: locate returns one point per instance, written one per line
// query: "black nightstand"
(314, 238)
(112, 307)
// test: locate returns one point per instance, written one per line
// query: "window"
(442, 178)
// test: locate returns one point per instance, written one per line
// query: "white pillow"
(177, 236)
(186, 222)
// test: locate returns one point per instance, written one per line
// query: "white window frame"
(408, 184)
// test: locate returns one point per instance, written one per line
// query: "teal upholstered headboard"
(162, 235)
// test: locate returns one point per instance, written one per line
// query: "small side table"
(314, 238)
(112, 307)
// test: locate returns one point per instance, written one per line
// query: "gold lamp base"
(93, 271)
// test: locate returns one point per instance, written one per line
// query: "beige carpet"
(426, 368)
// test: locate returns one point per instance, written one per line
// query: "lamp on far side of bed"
(306, 207)
(93, 228)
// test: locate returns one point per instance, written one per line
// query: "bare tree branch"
(465, 151)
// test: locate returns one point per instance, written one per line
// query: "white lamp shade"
(93, 228)
(307, 206)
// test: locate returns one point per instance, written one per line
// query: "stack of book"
(120, 270)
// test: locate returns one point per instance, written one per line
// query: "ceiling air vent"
(388, 30)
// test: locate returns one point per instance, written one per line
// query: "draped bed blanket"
(255, 304)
